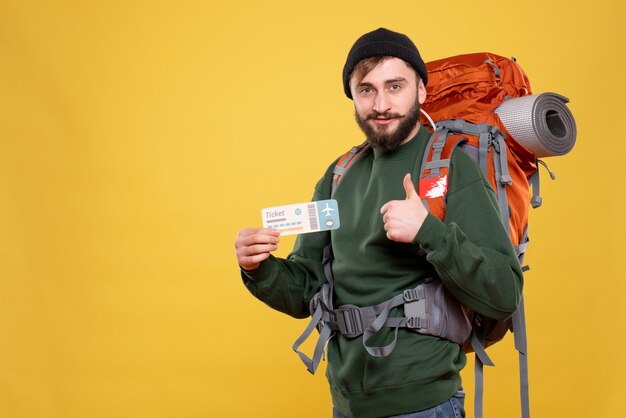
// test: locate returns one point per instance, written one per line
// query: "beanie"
(383, 42)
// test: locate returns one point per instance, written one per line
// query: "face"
(387, 103)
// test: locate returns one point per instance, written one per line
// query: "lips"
(383, 121)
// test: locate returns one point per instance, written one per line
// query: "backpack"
(481, 103)
(485, 106)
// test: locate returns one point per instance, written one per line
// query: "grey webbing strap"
(521, 249)
(478, 388)
(518, 323)
(415, 310)
(483, 149)
(340, 169)
(435, 162)
(543, 163)
(415, 317)
(523, 246)
(494, 67)
(505, 176)
(327, 260)
(313, 362)
(534, 182)
(439, 163)
(434, 166)
(478, 374)
(318, 316)
(353, 151)
(499, 167)
(459, 126)
(439, 132)
(535, 200)
(483, 131)
(437, 140)
(351, 320)
(378, 324)
(521, 345)
(478, 344)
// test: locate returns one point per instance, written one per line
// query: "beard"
(381, 138)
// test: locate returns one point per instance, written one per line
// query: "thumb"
(409, 188)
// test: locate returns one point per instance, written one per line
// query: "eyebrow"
(395, 80)
(391, 81)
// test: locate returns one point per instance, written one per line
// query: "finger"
(254, 231)
(256, 249)
(409, 188)
(251, 263)
(248, 240)
(262, 239)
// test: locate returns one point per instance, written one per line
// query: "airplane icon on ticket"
(328, 211)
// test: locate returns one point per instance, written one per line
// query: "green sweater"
(470, 252)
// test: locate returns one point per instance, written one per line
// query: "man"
(388, 242)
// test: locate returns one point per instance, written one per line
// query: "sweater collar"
(405, 150)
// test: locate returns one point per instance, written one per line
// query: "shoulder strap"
(433, 178)
(345, 162)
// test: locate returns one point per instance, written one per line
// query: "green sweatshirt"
(470, 252)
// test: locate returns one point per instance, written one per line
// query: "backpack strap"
(345, 162)
(483, 131)
(478, 343)
(325, 334)
(518, 323)
(536, 200)
(433, 178)
(521, 345)
(503, 178)
(321, 306)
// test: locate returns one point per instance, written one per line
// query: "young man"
(388, 242)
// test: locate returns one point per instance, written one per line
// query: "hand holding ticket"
(322, 215)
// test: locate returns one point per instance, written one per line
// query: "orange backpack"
(462, 95)
(465, 90)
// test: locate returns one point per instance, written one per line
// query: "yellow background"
(137, 137)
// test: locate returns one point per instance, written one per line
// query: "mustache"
(384, 115)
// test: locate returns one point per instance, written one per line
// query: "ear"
(352, 85)
(421, 92)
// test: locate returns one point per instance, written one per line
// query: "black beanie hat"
(383, 42)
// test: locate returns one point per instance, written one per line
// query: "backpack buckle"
(416, 322)
(349, 321)
(411, 295)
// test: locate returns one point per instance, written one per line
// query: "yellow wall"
(136, 137)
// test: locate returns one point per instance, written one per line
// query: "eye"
(365, 90)
(395, 87)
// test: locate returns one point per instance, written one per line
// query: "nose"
(382, 103)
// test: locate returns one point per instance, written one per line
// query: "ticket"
(321, 215)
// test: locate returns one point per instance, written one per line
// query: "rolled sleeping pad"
(540, 122)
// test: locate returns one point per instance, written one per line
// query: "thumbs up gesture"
(403, 219)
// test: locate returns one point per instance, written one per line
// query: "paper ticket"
(322, 215)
